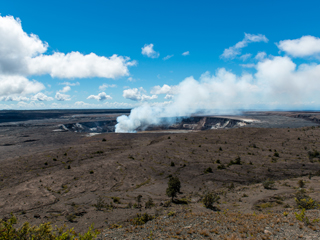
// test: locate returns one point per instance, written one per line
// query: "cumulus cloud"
(105, 86)
(20, 85)
(100, 97)
(232, 52)
(41, 97)
(77, 65)
(161, 90)
(260, 56)
(14, 98)
(23, 55)
(301, 47)
(136, 94)
(65, 89)
(70, 84)
(167, 57)
(168, 96)
(185, 53)
(30, 105)
(62, 97)
(149, 52)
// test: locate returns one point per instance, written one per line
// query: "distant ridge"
(24, 115)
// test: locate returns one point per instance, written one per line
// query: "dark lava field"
(57, 167)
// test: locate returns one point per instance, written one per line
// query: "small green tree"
(173, 187)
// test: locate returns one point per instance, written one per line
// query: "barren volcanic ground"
(49, 172)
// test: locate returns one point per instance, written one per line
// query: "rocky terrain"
(66, 177)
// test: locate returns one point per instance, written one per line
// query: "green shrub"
(173, 187)
(209, 199)
(208, 170)
(116, 200)
(104, 140)
(100, 204)
(142, 219)
(43, 231)
(302, 217)
(237, 161)
(149, 203)
(221, 166)
(313, 154)
(172, 164)
(269, 184)
(301, 183)
(276, 154)
(304, 201)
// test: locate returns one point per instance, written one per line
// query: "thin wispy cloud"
(105, 86)
(167, 57)
(232, 52)
(245, 57)
(186, 53)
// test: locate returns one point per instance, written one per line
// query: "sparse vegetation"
(301, 183)
(304, 201)
(100, 204)
(221, 166)
(208, 170)
(43, 231)
(141, 219)
(149, 203)
(174, 186)
(209, 199)
(268, 184)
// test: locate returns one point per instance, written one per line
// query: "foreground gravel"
(221, 225)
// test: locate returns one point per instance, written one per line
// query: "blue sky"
(39, 78)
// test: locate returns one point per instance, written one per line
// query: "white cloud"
(136, 94)
(105, 86)
(62, 97)
(168, 96)
(185, 53)
(70, 84)
(41, 97)
(14, 98)
(244, 57)
(30, 105)
(277, 84)
(167, 57)
(232, 52)
(301, 47)
(100, 97)
(161, 90)
(149, 52)
(65, 89)
(77, 65)
(248, 65)
(260, 56)
(14, 84)
(23, 54)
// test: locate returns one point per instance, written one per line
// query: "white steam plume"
(278, 83)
